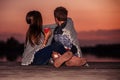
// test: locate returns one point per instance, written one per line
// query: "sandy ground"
(95, 71)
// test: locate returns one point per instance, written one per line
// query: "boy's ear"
(56, 20)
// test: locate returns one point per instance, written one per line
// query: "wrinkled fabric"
(67, 35)
(29, 51)
(70, 31)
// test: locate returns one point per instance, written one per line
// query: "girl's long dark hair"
(34, 19)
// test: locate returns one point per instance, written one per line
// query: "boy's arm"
(73, 36)
(51, 26)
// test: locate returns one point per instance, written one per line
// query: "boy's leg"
(76, 61)
(55, 55)
(60, 59)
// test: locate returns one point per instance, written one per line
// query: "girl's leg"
(43, 56)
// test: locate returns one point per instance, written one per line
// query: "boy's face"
(56, 20)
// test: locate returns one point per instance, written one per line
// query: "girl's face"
(32, 20)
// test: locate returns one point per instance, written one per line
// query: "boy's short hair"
(61, 13)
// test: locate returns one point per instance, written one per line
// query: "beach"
(95, 71)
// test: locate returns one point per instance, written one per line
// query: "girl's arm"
(47, 36)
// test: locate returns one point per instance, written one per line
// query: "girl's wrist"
(45, 42)
(44, 45)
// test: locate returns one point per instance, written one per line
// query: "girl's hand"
(47, 35)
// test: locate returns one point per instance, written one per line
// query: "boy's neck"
(60, 22)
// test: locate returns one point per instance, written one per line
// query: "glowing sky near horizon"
(86, 14)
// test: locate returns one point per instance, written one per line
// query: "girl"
(36, 39)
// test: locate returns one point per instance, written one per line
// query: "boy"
(65, 34)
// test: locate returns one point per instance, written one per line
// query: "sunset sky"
(88, 15)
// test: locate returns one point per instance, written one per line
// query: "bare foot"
(76, 61)
(63, 58)
(55, 55)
